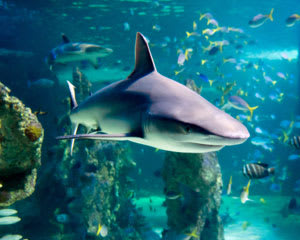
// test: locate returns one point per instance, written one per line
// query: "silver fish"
(9, 220)
(8, 212)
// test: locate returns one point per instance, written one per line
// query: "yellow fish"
(99, 230)
(245, 225)
(262, 200)
(187, 53)
(193, 234)
(188, 34)
(203, 61)
(194, 26)
(245, 193)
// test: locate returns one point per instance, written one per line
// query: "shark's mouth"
(216, 141)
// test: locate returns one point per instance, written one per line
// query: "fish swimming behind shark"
(156, 111)
(75, 51)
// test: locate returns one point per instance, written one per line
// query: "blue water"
(264, 73)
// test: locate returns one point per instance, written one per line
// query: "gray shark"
(153, 110)
(75, 51)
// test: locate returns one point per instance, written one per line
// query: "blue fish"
(275, 187)
(293, 157)
(204, 77)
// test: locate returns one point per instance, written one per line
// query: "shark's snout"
(224, 130)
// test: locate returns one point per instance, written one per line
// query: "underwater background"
(222, 58)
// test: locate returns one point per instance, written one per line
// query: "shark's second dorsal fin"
(143, 59)
(65, 38)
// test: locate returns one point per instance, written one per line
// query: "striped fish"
(295, 142)
(257, 170)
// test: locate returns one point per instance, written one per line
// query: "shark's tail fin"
(73, 105)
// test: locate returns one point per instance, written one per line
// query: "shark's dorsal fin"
(65, 38)
(144, 63)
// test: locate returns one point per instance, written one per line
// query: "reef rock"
(197, 181)
(21, 137)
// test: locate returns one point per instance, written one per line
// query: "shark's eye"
(188, 129)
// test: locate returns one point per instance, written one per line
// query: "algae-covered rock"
(98, 189)
(197, 178)
(21, 137)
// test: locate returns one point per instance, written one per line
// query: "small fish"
(39, 112)
(187, 53)
(189, 34)
(245, 225)
(260, 19)
(257, 170)
(9, 220)
(203, 77)
(229, 60)
(194, 26)
(262, 200)
(126, 26)
(203, 61)
(193, 234)
(228, 88)
(156, 28)
(42, 83)
(176, 73)
(213, 22)
(291, 20)
(259, 141)
(181, 59)
(269, 79)
(7, 212)
(281, 75)
(239, 30)
(275, 187)
(245, 193)
(229, 186)
(240, 104)
(214, 50)
(206, 15)
(259, 96)
(293, 157)
(11, 237)
(172, 195)
(209, 31)
(295, 142)
(102, 230)
(62, 218)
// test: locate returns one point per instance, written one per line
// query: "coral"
(34, 131)
(95, 179)
(21, 137)
(198, 178)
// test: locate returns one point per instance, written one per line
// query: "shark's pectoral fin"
(119, 137)
(94, 62)
(74, 131)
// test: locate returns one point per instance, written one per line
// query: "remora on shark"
(153, 110)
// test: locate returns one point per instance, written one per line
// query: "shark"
(151, 109)
(68, 52)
